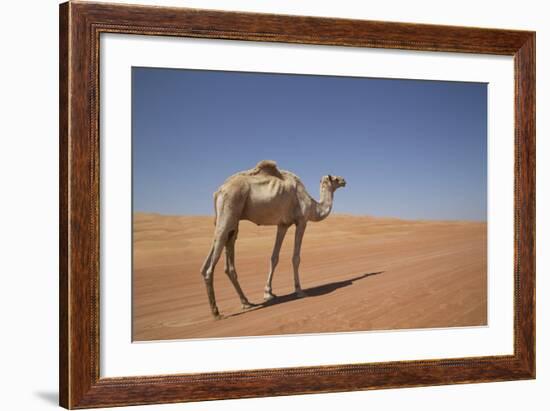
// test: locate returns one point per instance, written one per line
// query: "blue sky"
(407, 148)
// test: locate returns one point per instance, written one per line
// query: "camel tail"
(218, 205)
(208, 259)
(215, 208)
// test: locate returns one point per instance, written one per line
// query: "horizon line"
(332, 214)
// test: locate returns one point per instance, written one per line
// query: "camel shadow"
(310, 292)
(317, 291)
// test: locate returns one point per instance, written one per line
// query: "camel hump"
(267, 165)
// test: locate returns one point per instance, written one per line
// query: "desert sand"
(360, 273)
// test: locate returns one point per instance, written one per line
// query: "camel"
(263, 195)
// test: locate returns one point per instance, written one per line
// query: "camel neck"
(323, 208)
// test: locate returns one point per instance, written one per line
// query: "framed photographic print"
(257, 205)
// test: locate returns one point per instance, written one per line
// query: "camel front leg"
(281, 232)
(300, 230)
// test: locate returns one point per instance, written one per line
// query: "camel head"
(333, 182)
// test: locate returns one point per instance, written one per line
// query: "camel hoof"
(247, 305)
(269, 296)
(300, 294)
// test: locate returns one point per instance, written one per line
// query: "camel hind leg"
(208, 271)
(230, 269)
(226, 222)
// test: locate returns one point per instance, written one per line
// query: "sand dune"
(360, 273)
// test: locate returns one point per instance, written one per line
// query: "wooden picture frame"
(80, 27)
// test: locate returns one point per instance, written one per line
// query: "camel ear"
(330, 178)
